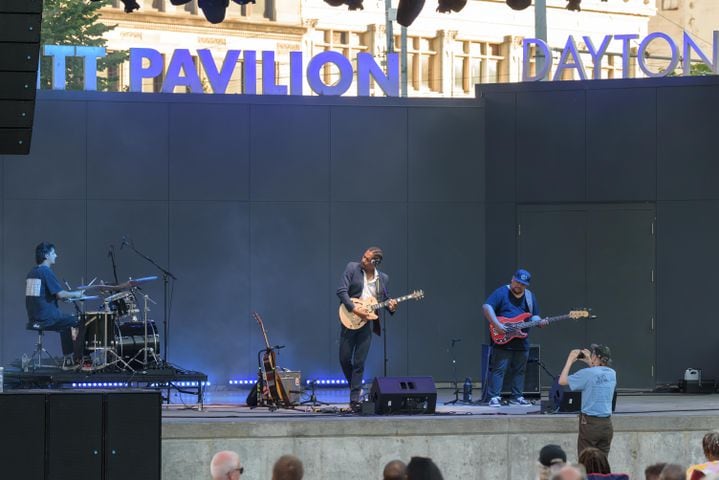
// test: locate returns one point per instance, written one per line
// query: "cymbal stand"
(145, 349)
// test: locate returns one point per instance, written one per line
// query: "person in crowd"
(551, 458)
(394, 470)
(225, 465)
(710, 445)
(288, 467)
(672, 471)
(652, 471)
(423, 468)
(594, 461)
(597, 384)
(570, 472)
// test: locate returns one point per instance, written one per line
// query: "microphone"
(277, 347)
(456, 340)
(124, 242)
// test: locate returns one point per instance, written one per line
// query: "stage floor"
(219, 402)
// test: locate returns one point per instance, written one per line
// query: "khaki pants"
(594, 432)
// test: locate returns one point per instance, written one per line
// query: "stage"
(466, 441)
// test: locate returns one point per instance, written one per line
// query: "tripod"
(456, 400)
(313, 398)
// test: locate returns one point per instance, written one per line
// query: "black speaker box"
(22, 435)
(563, 400)
(403, 395)
(19, 55)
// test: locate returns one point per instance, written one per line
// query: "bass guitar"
(270, 375)
(517, 324)
(354, 322)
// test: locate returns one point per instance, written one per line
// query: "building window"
(348, 43)
(473, 63)
(423, 72)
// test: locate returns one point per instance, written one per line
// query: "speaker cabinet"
(80, 435)
(403, 395)
(22, 435)
(532, 384)
(19, 56)
(132, 435)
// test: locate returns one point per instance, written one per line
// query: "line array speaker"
(20, 22)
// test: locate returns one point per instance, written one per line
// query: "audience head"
(710, 444)
(423, 468)
(288, 467)
(394, 470)
(570, 472)
(225, 465)
(672, 471)
(552, 454)
(652, 471)
(594, 460)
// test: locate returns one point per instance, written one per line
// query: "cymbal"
(98, 286)
(84, 297)
(134, 282)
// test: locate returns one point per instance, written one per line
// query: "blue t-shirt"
(505, 304)
(41, 286)
(597, 385)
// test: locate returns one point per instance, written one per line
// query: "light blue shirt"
(597, 385)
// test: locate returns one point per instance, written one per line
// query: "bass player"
(510, 358)
(361, 280)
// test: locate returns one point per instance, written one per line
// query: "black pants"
(354, 347)
(595, 432)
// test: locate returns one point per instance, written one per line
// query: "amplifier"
(292, 381)
(697, 386)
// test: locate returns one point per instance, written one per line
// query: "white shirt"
(369, 287)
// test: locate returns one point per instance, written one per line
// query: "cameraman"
(597, 384)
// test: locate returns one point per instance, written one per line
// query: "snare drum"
(99, 330)
(131, 339)
(123, 303)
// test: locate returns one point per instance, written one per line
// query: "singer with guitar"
(510, 357)
(361, 280)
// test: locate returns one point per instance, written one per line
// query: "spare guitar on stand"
(270, 391)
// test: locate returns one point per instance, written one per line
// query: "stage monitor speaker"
(132, 435)
(403, 395)
(532, 383)
(19, 56)
(22, 435)
(564, 400)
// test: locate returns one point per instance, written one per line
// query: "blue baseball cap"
(522, 276)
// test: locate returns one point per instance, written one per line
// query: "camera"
(580, 356)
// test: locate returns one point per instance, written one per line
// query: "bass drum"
(100, 330)
(130, 340)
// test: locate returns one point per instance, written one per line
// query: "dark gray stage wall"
(257, 204)
(607, 192)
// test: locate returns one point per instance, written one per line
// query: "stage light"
(574, 5)
(408, 10)
(519, 4)
(454, 5)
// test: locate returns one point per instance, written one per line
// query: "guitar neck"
(262, 326)
(377, 306)
(534, 323)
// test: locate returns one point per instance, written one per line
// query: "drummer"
(42, 291)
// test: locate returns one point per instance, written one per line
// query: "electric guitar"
(270, 375)
(355, 322)
(517, 324)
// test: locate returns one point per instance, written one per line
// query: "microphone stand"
(166, 275)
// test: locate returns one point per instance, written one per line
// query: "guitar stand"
(313, 398)
(262, 399)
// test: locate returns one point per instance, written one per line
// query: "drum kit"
(119, 333)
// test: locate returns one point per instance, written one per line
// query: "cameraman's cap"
(551, 454)
(522, 276)
(602, 351)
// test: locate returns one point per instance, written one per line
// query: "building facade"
(446, 54)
